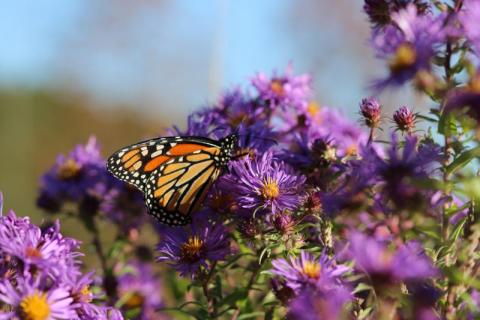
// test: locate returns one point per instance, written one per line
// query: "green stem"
(99, 250)
(211, 305)
(371, 135)
(450, 294)
(109, 281)
(251, 282)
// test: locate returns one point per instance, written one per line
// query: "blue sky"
(181, 53)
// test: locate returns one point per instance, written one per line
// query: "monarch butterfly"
(174, 173)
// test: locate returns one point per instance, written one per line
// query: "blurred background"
(125, 70)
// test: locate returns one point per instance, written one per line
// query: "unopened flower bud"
(404, 118)
(283, 223)
(371, 111)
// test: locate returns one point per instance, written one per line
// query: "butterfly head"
(228, 145)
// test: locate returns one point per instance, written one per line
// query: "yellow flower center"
(313, 108)
(352, 150)
(270, 189)
(69, 170)
(311, 269)
(86, 293)
(277, 87)
(330, 154)
(134, 301)
(35, 307)
(404, 57)
(192, 249)
(32, 252)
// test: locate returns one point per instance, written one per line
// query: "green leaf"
(364, 313)
(201, 314)
(266, 252)
(217, 290)
(463, 159)
(270, 303)
(458, 230)
(471, 187)
(236, 295)
(250, 315)
(269, 314)
(428, 183)
(430, 233)
(362, 287)
(445, 124)
(427, 118)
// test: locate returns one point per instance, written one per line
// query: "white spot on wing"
(156, 153)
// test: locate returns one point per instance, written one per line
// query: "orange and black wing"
(178, 187)
(134, 164)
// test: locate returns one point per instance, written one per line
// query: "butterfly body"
(174, 173)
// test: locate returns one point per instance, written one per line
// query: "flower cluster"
(139, 288)
(41, 276)
(280, 200)
(80, 178)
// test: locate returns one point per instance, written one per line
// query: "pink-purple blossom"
(264, 183)
(190, 251)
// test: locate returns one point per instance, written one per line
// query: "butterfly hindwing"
(178, 187)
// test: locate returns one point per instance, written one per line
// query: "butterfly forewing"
(177, 188)
(135, 163)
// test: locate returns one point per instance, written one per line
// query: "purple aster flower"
(343, 134)
(236, 108)
(256, 138)
(73, 177)
(424, 297)
(371, 111)
(204, 123)
(140, 289)
(125, 206)
(408, 44)
(404, 118)
(307, 154)
(397, 171)
(264, 183)
(409, 263)
(308, 272)
(420, 265)
(28, 301)
(80, 288)
(379, 11)
(351, 184)
(466, 98)
(475, 306)
(284, 90)
(50, 251)
(189, 250)
(470, 19)
(102, 313)
(290, 120)
(41, 277)
(311, 305)
(350, 195)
